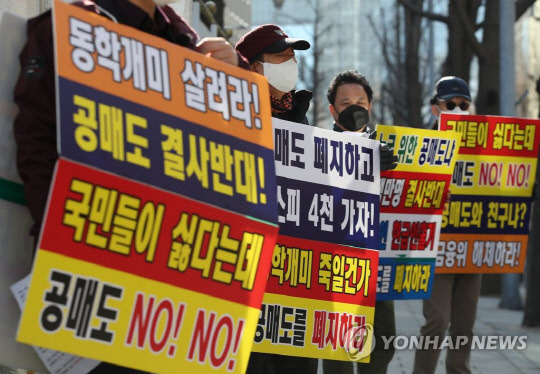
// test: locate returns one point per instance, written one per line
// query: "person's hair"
(348, 76)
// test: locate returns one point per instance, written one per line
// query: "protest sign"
(485, 226)
(412, 201)
(328, 185)
(124, 268)
(138, 106)
(320, 297)
(319, 302)
(162, 216)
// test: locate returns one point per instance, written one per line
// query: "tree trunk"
(460, 51)
(488, 83)
(414, 87)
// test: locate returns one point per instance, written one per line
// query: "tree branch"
(429, 15)
(477, 47)
(384, 42)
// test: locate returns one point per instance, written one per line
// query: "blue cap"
(449, 87)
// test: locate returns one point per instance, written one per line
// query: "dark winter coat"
(300, 106)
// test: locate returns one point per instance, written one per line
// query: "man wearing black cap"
(454, 297)
(451, 95)
(271, 53)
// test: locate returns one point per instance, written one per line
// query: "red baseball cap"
(267, 39)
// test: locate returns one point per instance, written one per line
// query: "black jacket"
(300, 106)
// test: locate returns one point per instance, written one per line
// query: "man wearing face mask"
(271, 53)
(35, 123)
(451, 96)
(349, 97)
(454, 297)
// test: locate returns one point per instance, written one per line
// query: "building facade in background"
(237, 17)
(25, 8)
(527, 35)
(350, 43)
(230, 19)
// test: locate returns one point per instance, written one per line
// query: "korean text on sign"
(412, 202)
(485, 225)
(318, 294)
(150, 71)
(328, 185)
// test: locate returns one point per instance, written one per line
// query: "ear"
(435, 110)
(253, 66)
(332, 110)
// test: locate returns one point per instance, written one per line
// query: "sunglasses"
(450, 105)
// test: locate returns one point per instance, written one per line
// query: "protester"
(451, 95)
(271, 53)
(350, 98)
(35, 124)
(454, 297)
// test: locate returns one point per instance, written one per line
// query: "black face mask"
(354, 117)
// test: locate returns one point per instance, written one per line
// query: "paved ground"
(490, 321)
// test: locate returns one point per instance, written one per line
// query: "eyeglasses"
(450, 105)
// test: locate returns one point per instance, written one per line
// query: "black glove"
(388, 159)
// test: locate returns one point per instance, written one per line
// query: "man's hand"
(388, 159)
(218, 48)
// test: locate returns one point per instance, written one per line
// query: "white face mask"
(164, 2)
(282, 76)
